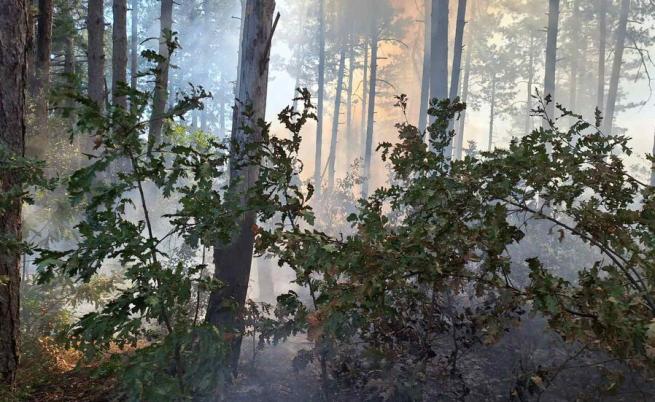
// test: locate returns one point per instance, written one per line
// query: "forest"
(327, 200)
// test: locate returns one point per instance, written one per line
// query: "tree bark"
(161, 82)
(439, 55)
(551, 58)
(119, 52)
(14, 32)
(233, 260)
(362, 122)
(96, 53)
(349, 100)
(613, 89)
(368, 148)
(134, 44)
(425, 80)
(492, 110)
(43, 50)
(335, 120)
(602, 45)
(457, 55)
(321, 94)
(459, 140)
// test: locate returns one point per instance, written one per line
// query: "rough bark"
(551, 57)
(613, 89)
(335, 120)
(14, 32)
(43, 50)
(368, 147)
(321, 95)
(119, 51)
(233, 260)
(96, 53)
(602, 45)
(425, 79)
(134, 43)
(161, 83)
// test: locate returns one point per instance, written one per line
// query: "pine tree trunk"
(551, 58)
(425, 80)
(613, 89)
(368, 148)
(119, 51)
(528, 102)
(14, 32)
(43, 50)
(134, 44)
(492, 111)
(602, 45)
(349, 100)
(362, 122)
(459, 140)
(161, 82)
(335, 120)
(457, 55)
(96, 53)
(439, 55)
(321, 93)
(233, 260)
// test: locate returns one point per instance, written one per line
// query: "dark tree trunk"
(96, 53)
(551, 58)
(161, 83)
(362, 122)
(575, 52)
(14, 33)
(368, 148)
(613, 89)
(43, 50)
(602, 45)
(119, 52)
(335, 120)
(425, 80)
(457, 54)
(321, 94)
(233, 260)
(439, 54)
(134, 44)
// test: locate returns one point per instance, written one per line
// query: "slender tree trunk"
(134, 44)
(602, 45)
(43, 50)
(528, 101)
(457, 52)
(425, 80)
(368, 148)
(492, 112)
(321, 93)
(349, 100)
(14, 32)
(119, 52)
(335, 120)
(459, 140)
(161, 82)
(96, 53)
(573, 78)
(362, 123)
(613, 90)
(439, 55)
(233, 260)
(551, 58)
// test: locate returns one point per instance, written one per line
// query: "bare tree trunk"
(368, 148)
(43, 50)
(335, 120)
(161, 83)
(602, 45)
(425, 80)
(119, 52)
(362, 122)
(528, 102)
(439, 55)
(134, 44)
(321, 94)
(233, 260)
(551, 58)
(573, 78)
(96, 53)
(457, 55)
(459, 140)
(14, 32)
(349, 100)
(613, 90)
(492, 111)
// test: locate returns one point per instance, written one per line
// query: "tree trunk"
(492, 111)
(161, 82)
(349, 100)
(425, 80)
(573, 77)
(362, 122)
(439, 55)
(43, 50)
(528, 102)
(613, 90)
(14, 32)
(457, 54)
(459, 140)
(551, 58)
(602, 45)
(368, 148)
(321, 94)
(96, 53)
(335, 120)
(233, 260)
(134, 44)
(119, 51)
